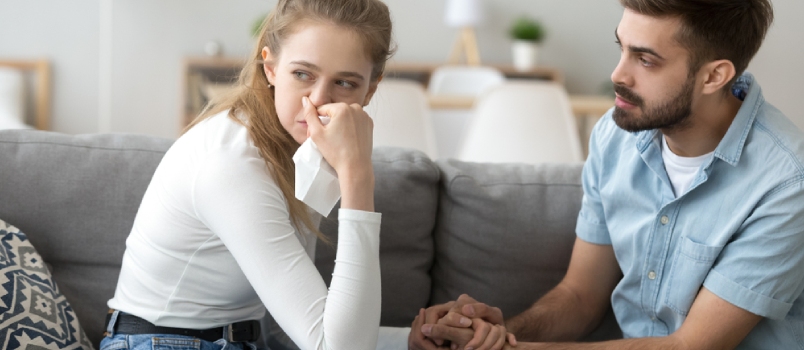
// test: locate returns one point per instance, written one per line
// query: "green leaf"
(525, 28)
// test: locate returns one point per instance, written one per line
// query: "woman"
(219, 236)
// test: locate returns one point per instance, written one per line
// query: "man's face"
(653, 83)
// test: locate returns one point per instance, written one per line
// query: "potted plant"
(527, 34)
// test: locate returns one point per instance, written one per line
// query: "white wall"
(150, 38)
(779, 64)
(66, 32)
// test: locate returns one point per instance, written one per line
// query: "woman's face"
(322, 61)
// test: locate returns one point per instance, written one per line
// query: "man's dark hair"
(714, 29)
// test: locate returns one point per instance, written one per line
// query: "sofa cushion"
(505, 232)
(406, 193)
(76, 198)
(33, 313)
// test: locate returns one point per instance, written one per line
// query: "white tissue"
(316, 181)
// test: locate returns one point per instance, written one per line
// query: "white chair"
(463, 80)
(401, 116)
(522, 122)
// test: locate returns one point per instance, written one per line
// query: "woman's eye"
(301, 75)
(346, 84)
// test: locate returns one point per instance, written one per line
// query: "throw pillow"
(34, 315)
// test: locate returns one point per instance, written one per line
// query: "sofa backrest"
(505, 233)
(406, 193)
(76, 198)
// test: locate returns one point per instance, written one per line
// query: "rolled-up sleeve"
(591, 224)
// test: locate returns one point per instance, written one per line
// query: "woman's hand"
(486, 336)
(346, 143)
(466, 313)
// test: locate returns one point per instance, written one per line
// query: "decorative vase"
(525, 54)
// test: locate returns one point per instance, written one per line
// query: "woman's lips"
(622, 103)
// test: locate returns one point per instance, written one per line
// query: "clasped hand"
(461, 324)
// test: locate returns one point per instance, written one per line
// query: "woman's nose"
(320, 94)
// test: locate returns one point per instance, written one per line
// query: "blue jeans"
(164, 341)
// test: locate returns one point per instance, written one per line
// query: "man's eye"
(645, 62)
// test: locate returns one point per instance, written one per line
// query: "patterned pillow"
(34, 315)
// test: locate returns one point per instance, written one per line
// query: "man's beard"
(672, 114)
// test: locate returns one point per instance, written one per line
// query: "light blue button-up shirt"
(738, 231)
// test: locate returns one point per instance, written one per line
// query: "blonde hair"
(253, 97)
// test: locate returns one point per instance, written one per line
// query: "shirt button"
(653, 318)
(652, 275)
(665, 220)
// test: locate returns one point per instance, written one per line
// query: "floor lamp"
(464, 14)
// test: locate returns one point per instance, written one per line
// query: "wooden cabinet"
(204, 78)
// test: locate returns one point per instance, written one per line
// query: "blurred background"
(124, 65)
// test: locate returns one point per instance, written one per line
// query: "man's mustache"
(628, 95)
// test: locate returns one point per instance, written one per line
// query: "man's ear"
(268, 65)
(717, 75)
(371, 91)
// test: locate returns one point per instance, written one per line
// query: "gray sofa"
(501, 233)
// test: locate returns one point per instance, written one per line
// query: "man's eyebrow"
(318, 69)
(639, 49)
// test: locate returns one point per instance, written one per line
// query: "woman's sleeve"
(235, 197)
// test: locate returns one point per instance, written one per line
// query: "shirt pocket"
(691, 265)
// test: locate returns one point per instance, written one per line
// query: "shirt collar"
(731, 146)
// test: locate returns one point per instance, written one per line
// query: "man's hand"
(469, 307)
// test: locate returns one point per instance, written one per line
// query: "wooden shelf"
(421, 72)
(206, 76)
(582, 105)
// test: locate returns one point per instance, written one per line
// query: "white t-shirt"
(212, 244)
(681, 170)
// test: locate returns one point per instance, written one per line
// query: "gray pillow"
(406, 193)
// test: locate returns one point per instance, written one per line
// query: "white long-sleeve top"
(212, 244)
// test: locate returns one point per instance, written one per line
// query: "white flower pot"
(525, 53)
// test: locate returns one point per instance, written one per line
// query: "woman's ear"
(718, 74)
(372, 89)
(268, 65)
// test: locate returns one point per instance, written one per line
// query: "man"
(692, 220)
